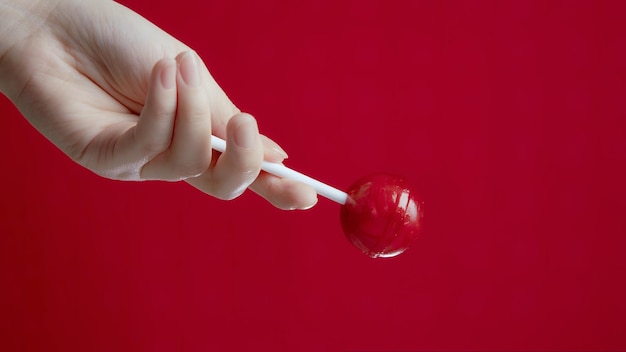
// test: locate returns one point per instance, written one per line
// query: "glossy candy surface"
(382, 216)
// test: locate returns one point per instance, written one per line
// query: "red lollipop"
(380, 214)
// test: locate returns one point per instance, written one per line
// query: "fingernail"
(276, 149)
(246, 133)
(273, 152)
(168, 74)
(309, 206)
(189, 69)
(280, 152)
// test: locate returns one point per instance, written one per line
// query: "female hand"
(129, 102)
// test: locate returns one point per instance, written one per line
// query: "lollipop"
(380, 214)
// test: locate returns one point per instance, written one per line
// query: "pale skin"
(129, 102)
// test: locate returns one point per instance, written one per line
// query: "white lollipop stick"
(281, 170)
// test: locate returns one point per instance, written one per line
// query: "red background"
(509, 117)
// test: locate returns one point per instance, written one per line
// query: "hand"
(129, 102)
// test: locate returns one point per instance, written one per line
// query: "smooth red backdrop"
(509, 117)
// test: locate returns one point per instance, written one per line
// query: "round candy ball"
(382, 215)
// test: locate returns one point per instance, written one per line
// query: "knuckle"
(163, 114)
(231, 193)
(190, 168)
(247, 164)
(194, 105)
(187, 171)
(154, 146)
(231, 186)
(226, 196)
(198, 114)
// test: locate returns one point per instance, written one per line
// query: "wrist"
(19, 20)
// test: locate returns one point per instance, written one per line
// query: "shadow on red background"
(509, 117)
